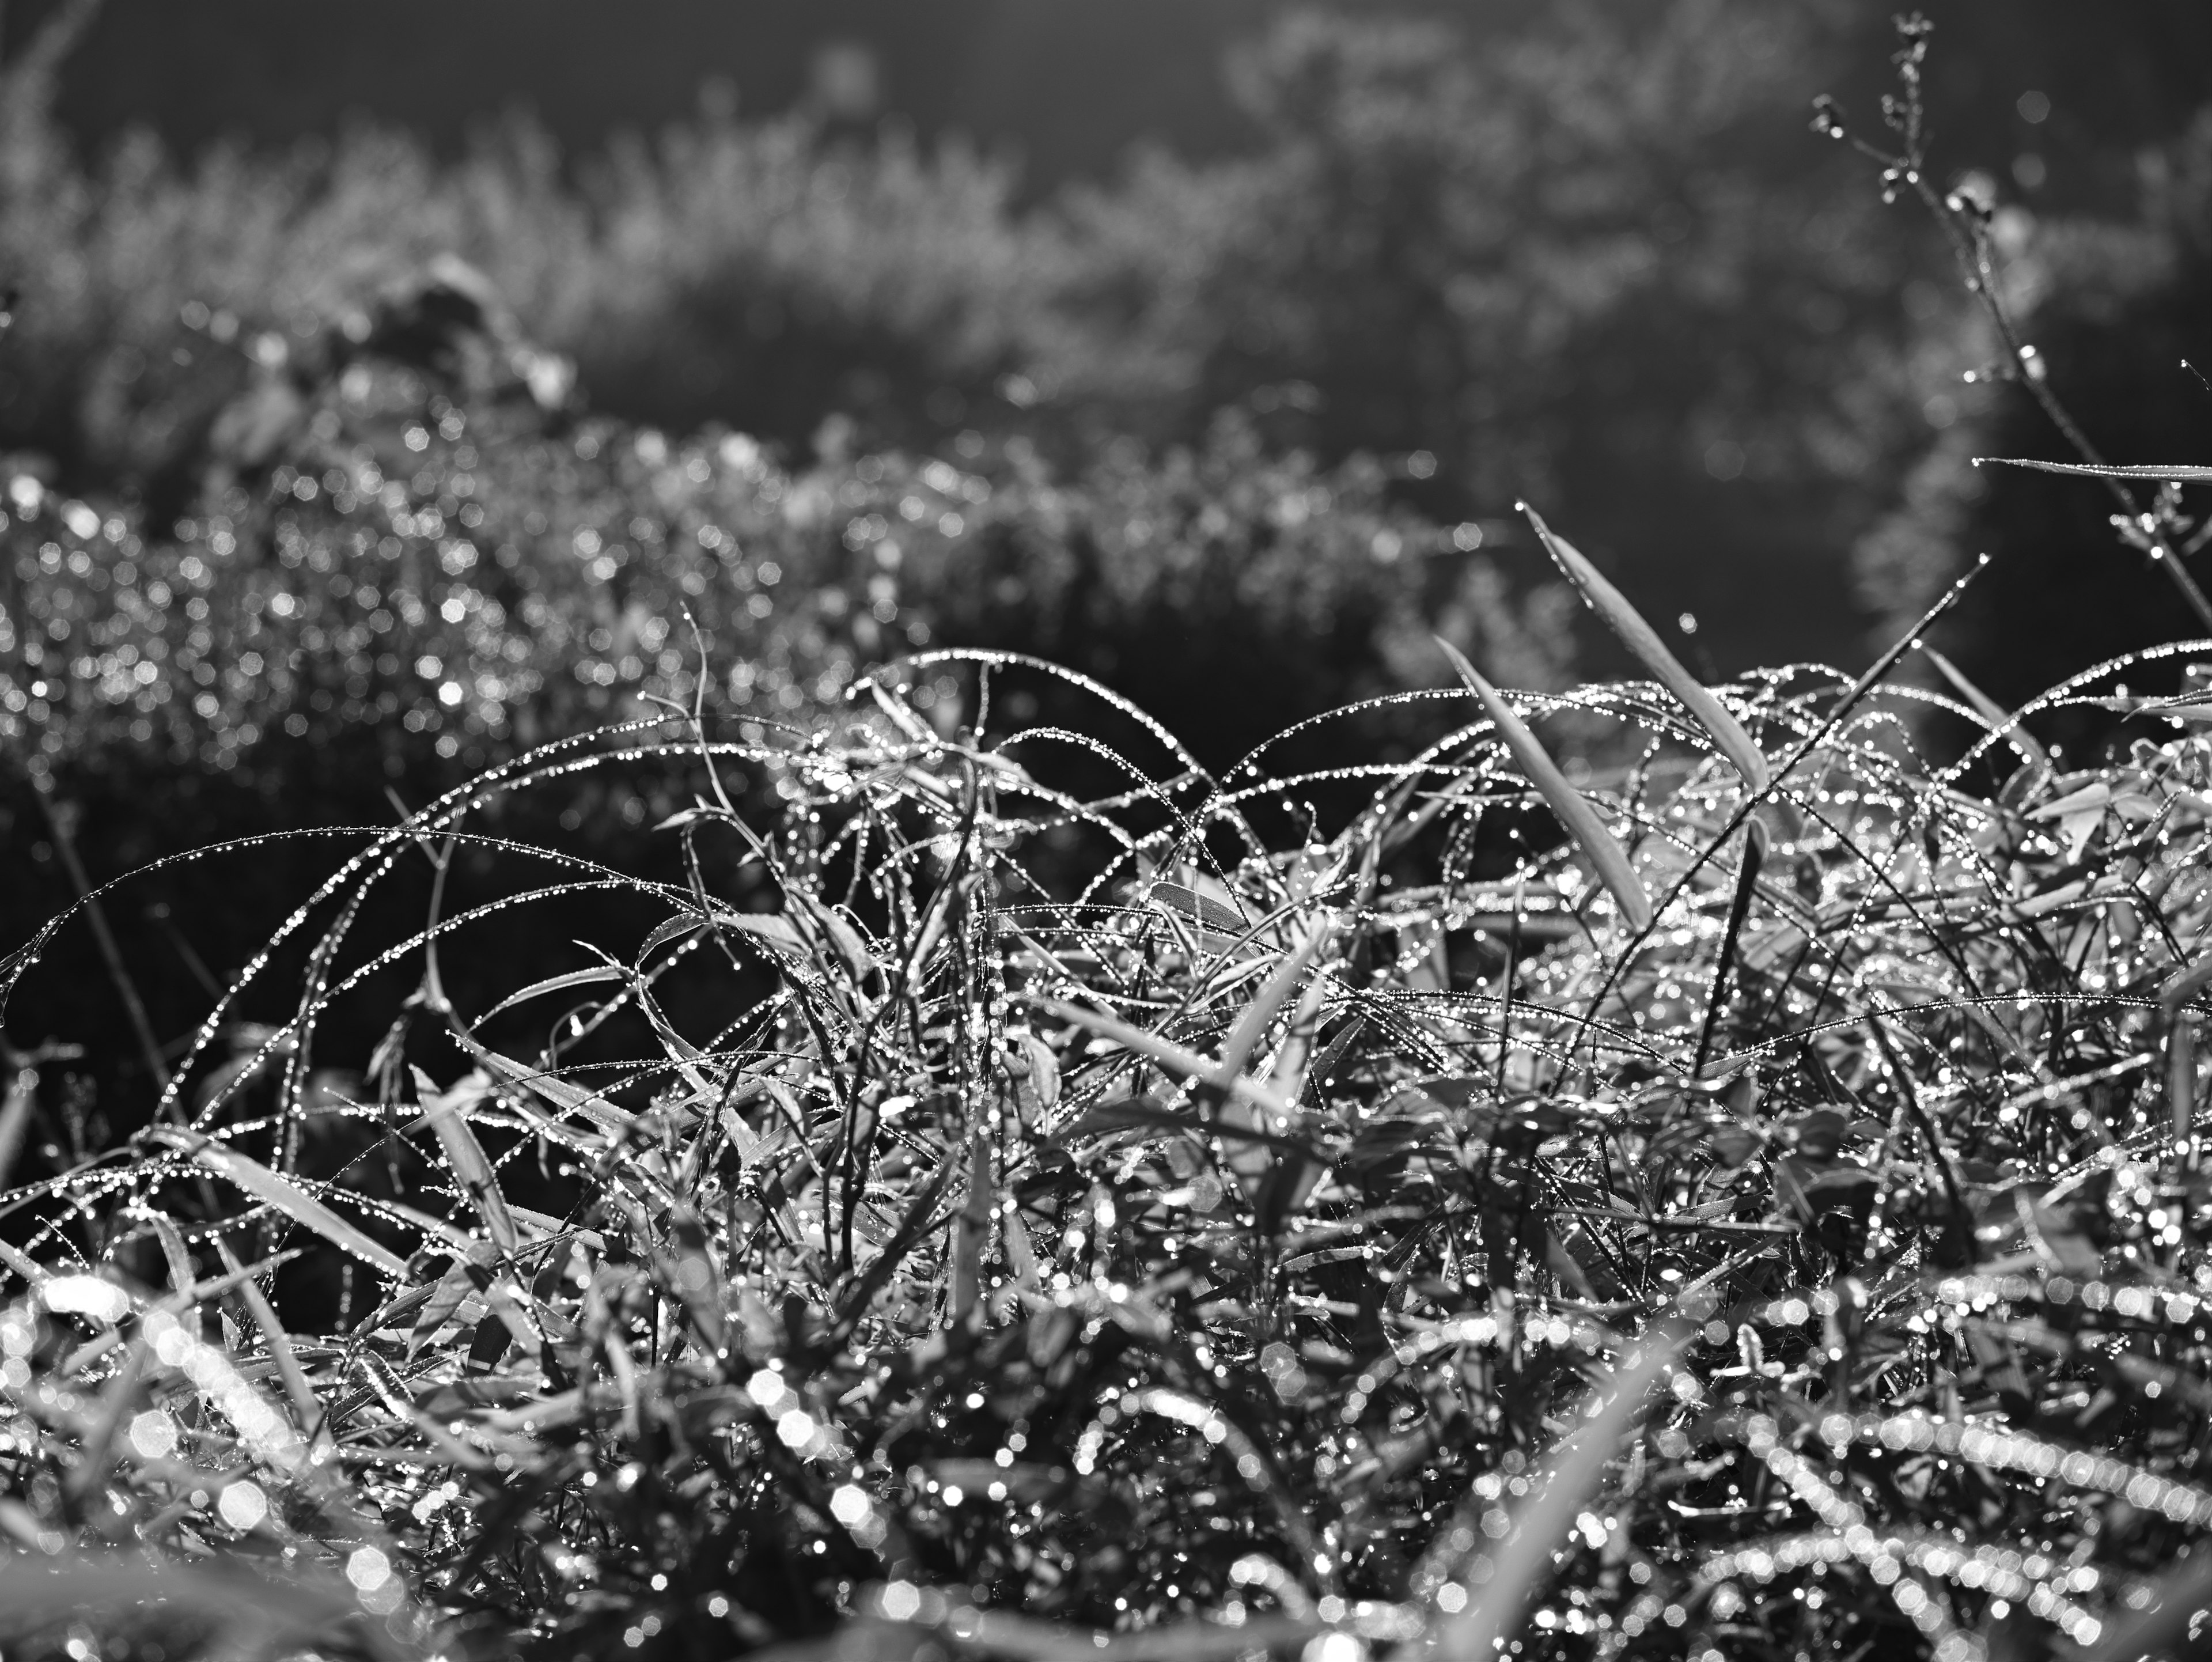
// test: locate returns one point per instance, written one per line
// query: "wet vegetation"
(775, 1101)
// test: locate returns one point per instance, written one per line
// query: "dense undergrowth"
(1004, 1182)
(1212, 1253)
(430, 551)
(404, 567)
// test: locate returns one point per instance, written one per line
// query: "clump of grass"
(1144, 1220)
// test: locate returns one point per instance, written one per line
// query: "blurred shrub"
(463, 569)
(750, 274)
(1596, 262)
(1593, 262)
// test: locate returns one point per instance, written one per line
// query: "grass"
(1156, 1223)
(1024, 1194)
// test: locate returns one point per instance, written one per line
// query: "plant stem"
(140, 1024)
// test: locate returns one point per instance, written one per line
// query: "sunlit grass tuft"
(1147, 1218)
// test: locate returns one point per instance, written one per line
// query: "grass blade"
(2181, 473)
(592, 977)
(1491, 1614)
(465, 1155)
(568, 1099)
(1754, 855)
(1640, 638)
(971, 1230)
(287, 1197)
(304, 1402)
(1571, 807)
(1990, 710)
(1169, 1054)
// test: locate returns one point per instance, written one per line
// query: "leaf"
(283, 1194)
(569, 1098)
(1572, 808)
(2181, 473)
(1169, 1054)
(1639, 637)
(2186, 985)
(1204, 910)
(1521, 1561)
(971, 1231)
(1747, 882)
(834, 923)
(1819, 1132)
(1250, 1164)
(597, 974)
(1734, 1144)
(465, 1155)
(304, 1401)
(1145, 1113)
(2031, 751)
(772, 927)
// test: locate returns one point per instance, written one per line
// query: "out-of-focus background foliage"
(387, 382)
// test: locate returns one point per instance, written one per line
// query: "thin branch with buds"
(1965, 220)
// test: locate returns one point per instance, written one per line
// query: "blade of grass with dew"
(552, 984)
(1571, 807)
(2018, 737)
(1169, 1054)
(568, 1099)
(1641, 639)
(971, 1230)
(471, 1167)
(1746, 880)
(2181, 473)
(281, 1193)
(304, 1402)
(1251, 1161)
(1492, 1611)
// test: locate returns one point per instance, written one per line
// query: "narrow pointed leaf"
(1573, 809)
(279, 1341)
(2185, 984)
(594, 976)
(568, 1099)
(1169, 1054)
(2181, 472)
(971, 1230)
(1252, 1161)
(465, 1155)
(1522, 1558)
(1639, 637)
(287, 1197)
(1989, 709)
